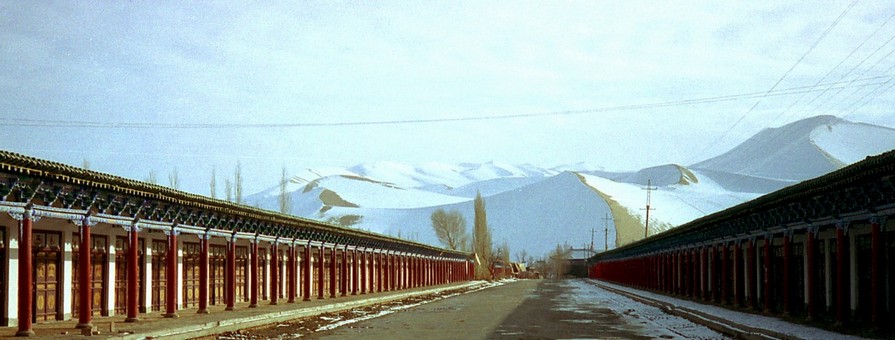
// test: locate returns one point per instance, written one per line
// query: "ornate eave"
(26, 180)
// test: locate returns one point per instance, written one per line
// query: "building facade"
(78, 244)
(822, 251)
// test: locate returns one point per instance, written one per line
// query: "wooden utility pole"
(649, 188)
(606, 232)
(591, 239)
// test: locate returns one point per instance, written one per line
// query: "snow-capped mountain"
(535, 208)
(804, 149)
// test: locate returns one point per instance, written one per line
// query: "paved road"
(528, 309)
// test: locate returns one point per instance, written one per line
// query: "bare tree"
(152, 178)
(450, 228)
(522, 256)
(85, 164)
(214, 185)
(238, 182)
(228, 190)
(173, 179)
(284, 200)
(482, 240)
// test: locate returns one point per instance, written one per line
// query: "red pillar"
(231, 274)
(751, 273)
(694, 273)
(766, 272)
(363, 272)
(132, 278)
(25, 271)
(380, 267)
(876, 272)
(171, 277)
(203, 275)
(274, 273)
(320, 271)
(811, 267)
(714, 274)
(725, 272)
(343, 273)
(332, 271)
(307, 273)
(354, 272)
(253, 287)
(738, 274)
(85, 274)
(841, 275)
(704, 271)
(293, 275)
(787, 263)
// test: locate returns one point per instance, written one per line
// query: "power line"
(24, 122)
(785, 74)
(850, 54)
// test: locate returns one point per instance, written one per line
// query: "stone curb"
(236, 324)
(715, 323)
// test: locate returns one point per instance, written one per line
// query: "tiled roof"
(58, 172)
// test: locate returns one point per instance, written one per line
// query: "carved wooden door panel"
(159, 279)
(47, 257)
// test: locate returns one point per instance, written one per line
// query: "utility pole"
(649, 188)
(606, 232)
(591, 239)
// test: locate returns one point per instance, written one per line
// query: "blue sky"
(90, 68)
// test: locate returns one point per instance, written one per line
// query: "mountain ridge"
(524, 200)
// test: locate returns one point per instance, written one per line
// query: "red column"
(380, 268)
(841, 274)
(293, 275)
(725, 272)
(751, 273)
(694, 270)
(714, 274)
(231, 274)
(253, 286)
(811, 267)
(132, 278)
(25, 271)
(787, 263)
(274, 273)
(332, 272)
(704, 271)
(203, 275)
(343, 273)
(354, 272)
(363, 272)
(171, 276)
(876, 272)
(85, 274)
(321, 263)
(307, 273)
(738, 274)
(766, 274)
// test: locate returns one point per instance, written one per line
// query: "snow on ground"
(757, 321)
(653, 321)
(674, 204)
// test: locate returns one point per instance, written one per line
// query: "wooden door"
(217, 268)
(242, 256)
(191, 253)
(159, 270)
(47, 264)
(4, 291)
(122, 251)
